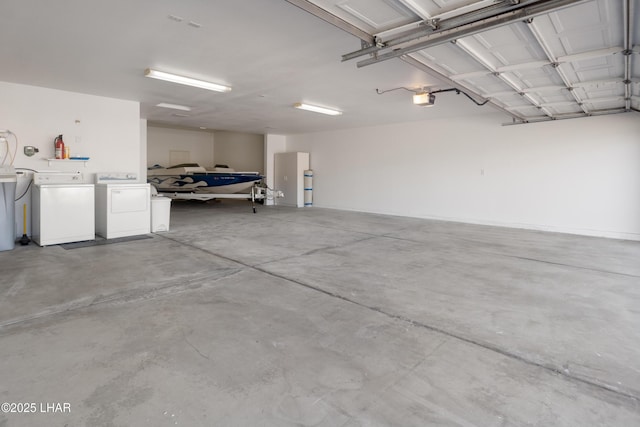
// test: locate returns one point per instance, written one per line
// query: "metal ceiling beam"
(537, 34)
(571, 116)
(332, 19)
(396, 31)
(598, 53)
(605, 99)
(415, 29)
(368, 38)
(430, 25)
(543, 89)
(462, 44)
(534, 9)
(560, 104)
(596, 83)
(628, 33)
(501, 94)
(522, 66)
(440, 23)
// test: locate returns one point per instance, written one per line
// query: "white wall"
(240, 151)
(577, 176)
(105, 129)
(162, 140)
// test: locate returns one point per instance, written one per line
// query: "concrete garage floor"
(317, 317)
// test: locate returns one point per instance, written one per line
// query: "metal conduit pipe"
(626, 16)
(440, 37)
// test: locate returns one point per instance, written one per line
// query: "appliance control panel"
(57, 178)
(116, 178)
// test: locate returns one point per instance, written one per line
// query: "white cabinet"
(289, 177)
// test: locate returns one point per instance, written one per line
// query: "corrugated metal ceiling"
(535, 60)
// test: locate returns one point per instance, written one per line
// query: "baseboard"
(620, 235)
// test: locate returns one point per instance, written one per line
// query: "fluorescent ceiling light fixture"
(174, 78)
(316, 109)
(424, 99)
(174, 106)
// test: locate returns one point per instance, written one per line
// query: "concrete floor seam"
(206, 251)
(484, 345)
(487, 346)
(567, 265)
(340, 325)
(336, 228)
(525, 258)
(118, 297)
(314, 251)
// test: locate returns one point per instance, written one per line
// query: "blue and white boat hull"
(209, 183)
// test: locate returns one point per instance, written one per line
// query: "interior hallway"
(319, 317)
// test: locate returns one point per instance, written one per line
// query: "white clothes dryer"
(123, 205)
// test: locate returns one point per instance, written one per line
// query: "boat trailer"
(256, 193)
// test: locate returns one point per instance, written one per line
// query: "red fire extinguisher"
(59, 144)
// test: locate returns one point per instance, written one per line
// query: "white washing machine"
(62, 208)
(123, 205)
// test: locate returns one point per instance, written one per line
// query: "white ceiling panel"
(595, 69)
(558, 109)
(510, 99)
(508, 45)
(538, 77)
(602, 30)
(528, 111)
(378, 14)
(555, 96)
(635, 62)
(437, 8)
(582, 28)
(600, 89)
(603, 103)
(448, 57)
(372, 16)
(486, 84)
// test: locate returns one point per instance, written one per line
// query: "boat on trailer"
(193, 178)
(191, 181)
